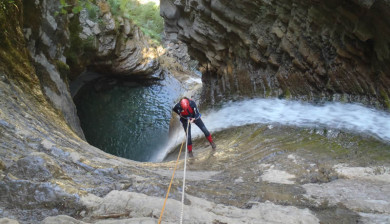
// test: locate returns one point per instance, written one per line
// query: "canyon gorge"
(278, 84)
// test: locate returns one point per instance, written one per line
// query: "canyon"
(261, 172)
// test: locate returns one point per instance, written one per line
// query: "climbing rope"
(184, 176)
(173, 175)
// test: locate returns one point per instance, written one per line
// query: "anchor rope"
(173, 175)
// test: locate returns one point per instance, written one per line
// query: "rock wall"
(300, 49)
(63, 45)
(47, 38)
(113, 45)
(45, 165)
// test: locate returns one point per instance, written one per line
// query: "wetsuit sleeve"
(177, 108)
(195, 108)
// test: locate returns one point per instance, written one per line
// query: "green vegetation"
(385, 98)
(93, 11)
(6, 4)
(287, 94)
(63, 69)
(74, 6)
(81, 52)
(14, 58)
(146, 16)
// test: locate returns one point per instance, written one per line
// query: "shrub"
(93, 11)
(146, 16)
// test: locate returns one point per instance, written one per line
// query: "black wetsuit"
(184, 116)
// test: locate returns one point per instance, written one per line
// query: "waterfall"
(353, 118)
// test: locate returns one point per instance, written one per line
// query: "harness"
(187, 112)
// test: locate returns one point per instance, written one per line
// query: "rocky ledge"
(119, 47)
(269, 174)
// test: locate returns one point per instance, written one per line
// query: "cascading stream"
(349, 117)
(133, 121)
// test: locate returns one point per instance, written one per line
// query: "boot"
(190, 154)
(211, 142)
(213, 146)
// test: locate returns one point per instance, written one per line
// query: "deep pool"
(126, 118)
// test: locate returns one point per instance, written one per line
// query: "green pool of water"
(130, 120)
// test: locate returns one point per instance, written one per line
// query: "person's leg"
(206, 133)
(189, 141)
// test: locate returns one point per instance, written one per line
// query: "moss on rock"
(63, 69)
(14, 58)
(386, 99)
(81, 52)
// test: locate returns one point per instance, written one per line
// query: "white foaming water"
(352, 117)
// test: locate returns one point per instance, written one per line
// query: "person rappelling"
(188, 111)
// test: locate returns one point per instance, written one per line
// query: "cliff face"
(311, 50)
(47, 37)
(62, 46)
(43, 157)
(111, 44)
(45, 165)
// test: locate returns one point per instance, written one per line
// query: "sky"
(157, 2)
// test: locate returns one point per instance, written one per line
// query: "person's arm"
(177, 109)
(195, 108)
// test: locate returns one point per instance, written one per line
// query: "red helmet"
(185, 104)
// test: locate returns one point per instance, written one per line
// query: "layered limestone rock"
(116, 46)
(312, 50)
(49, 174)
(63, 46)
(47, 38)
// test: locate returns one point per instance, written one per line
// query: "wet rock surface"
(270, 173)
(296, 167)
(258, 173)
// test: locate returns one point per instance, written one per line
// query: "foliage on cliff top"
(145, 15)
(75, 7)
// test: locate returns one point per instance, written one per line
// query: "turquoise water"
(130, 121)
